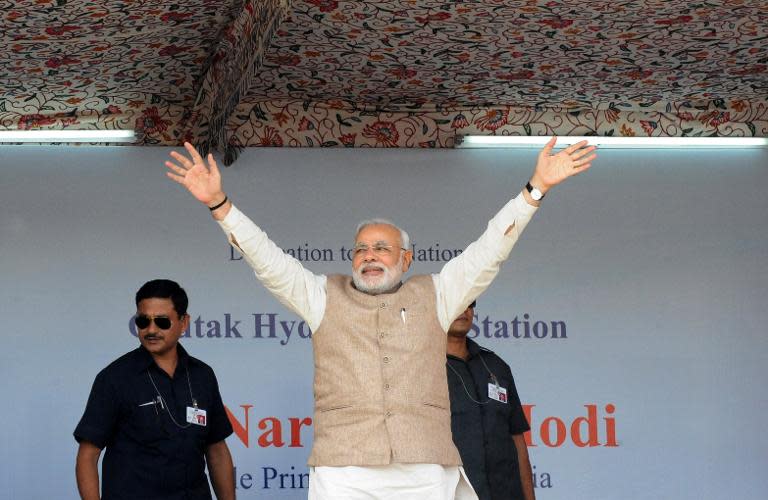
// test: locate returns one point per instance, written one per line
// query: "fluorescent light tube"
(524, 141)
(46, 136)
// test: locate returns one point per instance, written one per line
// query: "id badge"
(196, 416)
(497, 393)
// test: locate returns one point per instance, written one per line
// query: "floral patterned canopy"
(228, 74)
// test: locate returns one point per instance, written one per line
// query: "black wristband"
(219, 205)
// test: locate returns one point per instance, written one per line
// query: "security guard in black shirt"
(487, 419)
(158, 413)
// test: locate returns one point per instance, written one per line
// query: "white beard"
(379, 284)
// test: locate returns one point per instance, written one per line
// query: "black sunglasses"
(162, 322)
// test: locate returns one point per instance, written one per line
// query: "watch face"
(535, 193)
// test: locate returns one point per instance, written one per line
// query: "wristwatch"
(535, 193)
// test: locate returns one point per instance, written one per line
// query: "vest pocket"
(434, 405)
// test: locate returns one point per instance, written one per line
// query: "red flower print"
(28, 122)
(271, 137)
(493, 119)
(459, 121)
(280, 118)
(463, 57)
(648, 126)
(291, 60)
(638, 74)
(172, 50)
(60, 30)
(112, 110)
(55, 62)
(739, 105)
(715, 118)
(150, 123)
(348, 140)
(305, 124)
(440, 16)
(174, 17)
(384, 133)
(675, 20)
(325, 5)
(750, 70)
(402, 73)
(558, 23)
(520, 75)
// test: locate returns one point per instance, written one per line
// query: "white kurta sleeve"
(467, 275)
(300, 290)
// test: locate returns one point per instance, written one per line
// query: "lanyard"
(163, 403)
(493, 379)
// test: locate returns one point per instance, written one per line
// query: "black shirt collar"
(472, 347)
(144, 359)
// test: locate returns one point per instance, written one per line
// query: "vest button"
(383, 305)
(386, 387)
(386, 359)
(382, 335)
(389, 413)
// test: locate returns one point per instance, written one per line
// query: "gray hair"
(405, 239)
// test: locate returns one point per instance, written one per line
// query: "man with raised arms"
(382, 421)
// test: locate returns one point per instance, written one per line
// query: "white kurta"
(390, 482)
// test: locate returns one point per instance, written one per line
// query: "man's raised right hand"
(201, 179)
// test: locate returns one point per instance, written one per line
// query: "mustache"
(375, 267)
(153, 336)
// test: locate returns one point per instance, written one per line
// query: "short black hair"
(164, 289)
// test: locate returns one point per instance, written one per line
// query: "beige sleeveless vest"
(381, 393)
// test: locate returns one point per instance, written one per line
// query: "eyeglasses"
(162, 322)
(379, 249)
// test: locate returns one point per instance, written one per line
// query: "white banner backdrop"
(633, 310)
